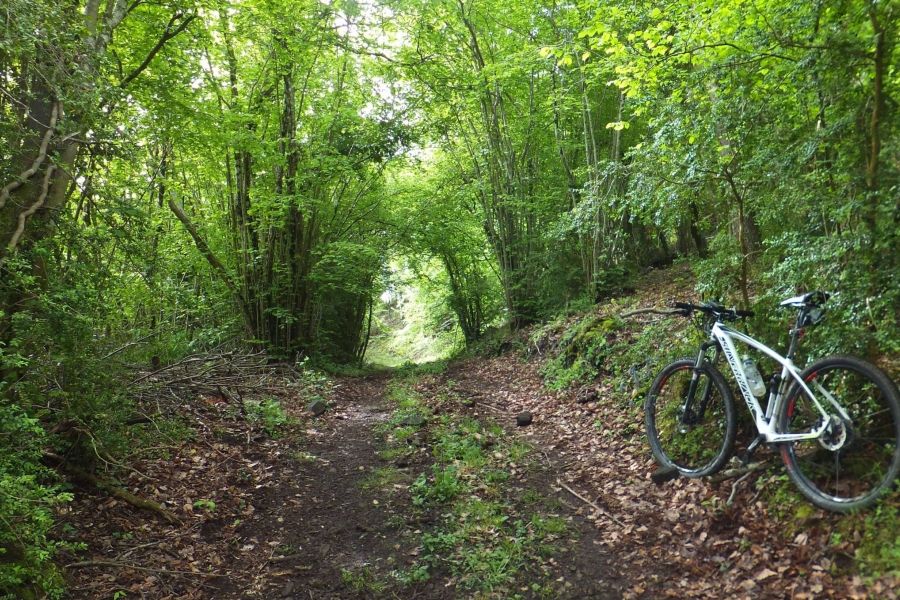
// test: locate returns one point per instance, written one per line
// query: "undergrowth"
(605, 345)
(607, 348)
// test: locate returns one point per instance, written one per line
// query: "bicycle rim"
(855, 461)
(697, 444)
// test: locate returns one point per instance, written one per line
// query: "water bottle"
(757, 387)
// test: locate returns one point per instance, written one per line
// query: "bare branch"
(214, 262)
(594, 505)
(112, 563)
(655, 311)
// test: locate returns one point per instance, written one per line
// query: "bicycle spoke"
(837, 472)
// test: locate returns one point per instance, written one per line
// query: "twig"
(493, 408)
(183, 362)
(655, 311)
(133, 549)
(734, 487)
(112, 563)
(739, 471)
(589, 503)
(132, 343)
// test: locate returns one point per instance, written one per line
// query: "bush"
(28, 495)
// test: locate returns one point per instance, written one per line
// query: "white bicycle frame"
(764, 419)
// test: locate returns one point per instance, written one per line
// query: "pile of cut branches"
(228, 373)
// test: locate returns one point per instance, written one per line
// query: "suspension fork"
(691, 417)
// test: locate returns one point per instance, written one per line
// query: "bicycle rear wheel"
(697, 436)
(855, 461)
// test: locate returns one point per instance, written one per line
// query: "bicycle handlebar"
(713, 309)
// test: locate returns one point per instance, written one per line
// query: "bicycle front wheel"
(857, 458)
(693, 434)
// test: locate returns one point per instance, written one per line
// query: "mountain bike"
(836, 423)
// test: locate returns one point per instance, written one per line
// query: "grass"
(382, 479)
(485, 538)
(303, 457)
(486, 534)
(878, 552)
(267, 413)
(363, 580)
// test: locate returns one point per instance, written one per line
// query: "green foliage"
(362, 580)
(205, 504)
(480, 539)
(382, 479)
(268, 413)
(29, 494)
(443, 486)
(511, 161)
(879, 550)
(598, 344)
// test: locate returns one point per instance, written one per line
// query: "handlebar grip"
(744, 313)
(683, 305)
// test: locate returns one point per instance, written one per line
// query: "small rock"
(288, 589)
(524, 418)
(317, 407)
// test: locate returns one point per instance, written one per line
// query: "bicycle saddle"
(808, 300)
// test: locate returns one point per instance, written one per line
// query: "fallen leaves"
(681, 527)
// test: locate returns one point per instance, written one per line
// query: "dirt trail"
(294, 516)
(316, 521)
(322, 521)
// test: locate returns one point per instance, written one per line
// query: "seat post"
(795, 335)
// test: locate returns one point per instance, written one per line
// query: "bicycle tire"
(852, 464)
(694, 449)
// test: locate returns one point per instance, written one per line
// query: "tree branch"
(656, 311)
(167, 35)
(38, 161)
(112, 563)
(214, 262)
(23, 216)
